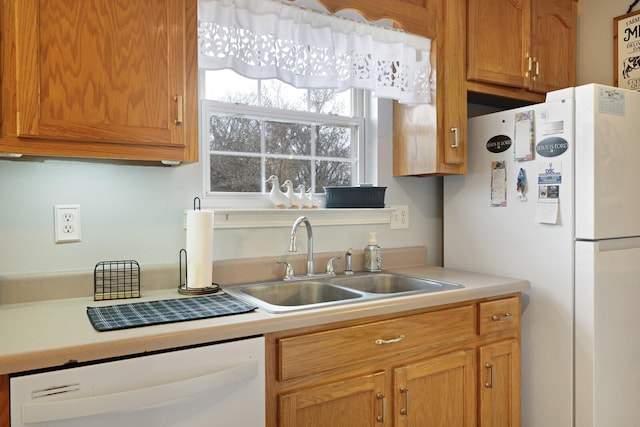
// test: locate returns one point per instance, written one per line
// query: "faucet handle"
(288, 271)
(347, 262)
(330, 264)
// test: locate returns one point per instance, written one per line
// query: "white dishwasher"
(221, 384)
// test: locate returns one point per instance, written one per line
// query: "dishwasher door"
(221, 384)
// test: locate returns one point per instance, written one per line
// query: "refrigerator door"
(508, 241)
(607, 162)
(607, 344)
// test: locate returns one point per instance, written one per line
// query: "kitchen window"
(284, 88)
(255, 128)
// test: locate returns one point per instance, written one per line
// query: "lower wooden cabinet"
(353, 402)
(500, 384)
(454, 366)
(439, 391)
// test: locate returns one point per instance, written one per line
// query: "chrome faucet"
(292, 245)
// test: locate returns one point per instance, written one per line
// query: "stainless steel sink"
(388, 283)
(278, 297)
(286, 296)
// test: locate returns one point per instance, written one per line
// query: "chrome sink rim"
(359, 295)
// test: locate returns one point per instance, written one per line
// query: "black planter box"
(354, 197)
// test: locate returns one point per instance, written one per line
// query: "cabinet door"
(500, 384)
(453, 89)
(355, 402)
(439, 392)
(554, 45)
(432, 139)
(99, 70)
(498, 41)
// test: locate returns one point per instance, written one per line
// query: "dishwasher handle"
(138, 398)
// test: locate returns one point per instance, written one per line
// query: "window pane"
(287, 138)
(227, 133)
(228, 86)
(234, 174)
(332, 173)
(333, 141)
(329, 101)
(298, 171)
(276, 94)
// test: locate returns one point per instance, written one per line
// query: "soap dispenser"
(372, 255)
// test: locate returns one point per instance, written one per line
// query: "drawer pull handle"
(490, 367)
(391, 341)
(456, 142)
(405, 410)
(382, 418)
(498, 318)
(179, 110)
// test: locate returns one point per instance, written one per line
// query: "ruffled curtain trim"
(266, 39)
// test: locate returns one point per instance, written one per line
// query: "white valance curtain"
(271, 39)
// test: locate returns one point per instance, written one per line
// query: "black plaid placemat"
(122, 316)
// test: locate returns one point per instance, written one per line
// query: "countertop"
(52, 333)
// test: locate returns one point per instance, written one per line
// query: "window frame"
(254, 200)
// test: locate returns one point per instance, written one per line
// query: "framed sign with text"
(626, 51)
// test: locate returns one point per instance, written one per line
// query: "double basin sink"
(286, 296)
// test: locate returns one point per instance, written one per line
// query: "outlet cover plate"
(66, 223)
(399, 217)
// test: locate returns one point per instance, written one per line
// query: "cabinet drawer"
(322, 351)
(499, 315)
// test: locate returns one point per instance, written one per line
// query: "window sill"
(269, 218)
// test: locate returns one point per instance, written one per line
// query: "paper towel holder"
(183, 287)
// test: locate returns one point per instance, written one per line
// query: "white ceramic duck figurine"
(277, 197)
(315, 203)
(296, 203)
(306, 202)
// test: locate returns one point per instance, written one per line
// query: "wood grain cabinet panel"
(521, 48)
(353, 402)
(499, 315)
(500, 384)
(317, 352)
(436, 392)
(97, 78)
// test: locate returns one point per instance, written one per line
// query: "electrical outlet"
(399, 217)
(66, 223)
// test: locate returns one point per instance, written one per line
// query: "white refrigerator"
(553, 196)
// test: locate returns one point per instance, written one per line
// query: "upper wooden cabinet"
(97, 78)
(432, 139)
(526, 47)
(427, 139)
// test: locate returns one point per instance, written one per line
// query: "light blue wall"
(136, 212)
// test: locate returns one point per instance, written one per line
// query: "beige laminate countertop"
(52, 333)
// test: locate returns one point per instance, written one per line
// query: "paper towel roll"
(199, 248)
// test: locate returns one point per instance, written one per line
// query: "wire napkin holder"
(116, 280)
